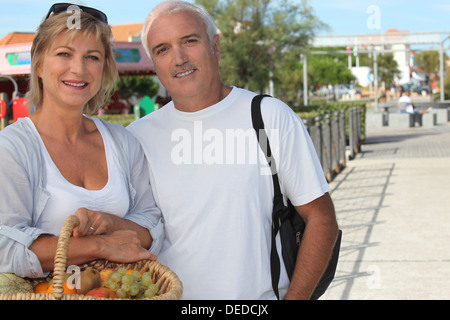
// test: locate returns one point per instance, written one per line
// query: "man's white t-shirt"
(216, 193)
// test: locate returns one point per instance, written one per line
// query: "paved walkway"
(393, 205)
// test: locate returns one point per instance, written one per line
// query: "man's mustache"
(183, 68)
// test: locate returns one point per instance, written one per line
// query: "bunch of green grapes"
(132, 286)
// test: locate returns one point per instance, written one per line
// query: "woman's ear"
(39, 71)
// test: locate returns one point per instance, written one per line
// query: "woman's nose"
(78, 65)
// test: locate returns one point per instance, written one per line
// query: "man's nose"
(180, 56)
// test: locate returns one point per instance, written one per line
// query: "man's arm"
(317, 245)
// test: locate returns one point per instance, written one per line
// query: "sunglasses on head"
(58, 8)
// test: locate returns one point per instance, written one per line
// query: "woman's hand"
(123, 246)
(93, 223)
(117, 239)
(116, 242)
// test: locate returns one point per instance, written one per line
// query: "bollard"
(386, 117)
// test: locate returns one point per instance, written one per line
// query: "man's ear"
(217, 47)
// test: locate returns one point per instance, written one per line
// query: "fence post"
(351, 132)
(318, 138)
(307, 124)
(327, 147)
(336, 143)
(358, 129)
(342, 138)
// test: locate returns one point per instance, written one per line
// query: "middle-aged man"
(214, 192)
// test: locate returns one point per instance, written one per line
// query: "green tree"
(136, 85)
(388, 68)
(428, 61)
(329, 68)
(288, 79)
(257, 35)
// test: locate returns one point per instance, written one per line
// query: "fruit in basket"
(134, 273)
(102, 293)
(105, 274)
(41, 287)
(89, 279)
(151, 291)
(66, 288)
(10, 283)
(131, 284)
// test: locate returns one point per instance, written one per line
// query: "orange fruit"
(41, 287)
(131, 271)
(67, 290)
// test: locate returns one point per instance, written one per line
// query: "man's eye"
(161, 51)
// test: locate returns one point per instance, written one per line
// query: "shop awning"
(131, 58)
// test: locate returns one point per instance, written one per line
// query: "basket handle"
(61, 255)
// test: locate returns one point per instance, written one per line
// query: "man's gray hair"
(174, 6)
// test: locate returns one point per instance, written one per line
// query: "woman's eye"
(94, 58)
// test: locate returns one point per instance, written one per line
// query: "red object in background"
(20, 109)
(2, 109)
(116, 107)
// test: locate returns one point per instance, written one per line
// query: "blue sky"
(342, 16)
(352, 16)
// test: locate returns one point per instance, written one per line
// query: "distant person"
(393, 93)
(434, 86)
(406, 105)
(59, 162)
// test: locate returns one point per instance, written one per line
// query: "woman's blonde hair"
(46, 34)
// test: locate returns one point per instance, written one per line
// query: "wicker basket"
(170, 286)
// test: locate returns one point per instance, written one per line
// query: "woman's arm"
(99, 223)
(98, 236)
(119, 246)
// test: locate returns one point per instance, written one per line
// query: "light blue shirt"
(23, 194)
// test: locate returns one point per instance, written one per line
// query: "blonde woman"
(60, 162)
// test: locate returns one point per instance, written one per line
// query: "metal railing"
(329, 136)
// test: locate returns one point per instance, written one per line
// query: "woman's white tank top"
(67, 198)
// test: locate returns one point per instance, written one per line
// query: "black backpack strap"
(258, 125)
(263, 139)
